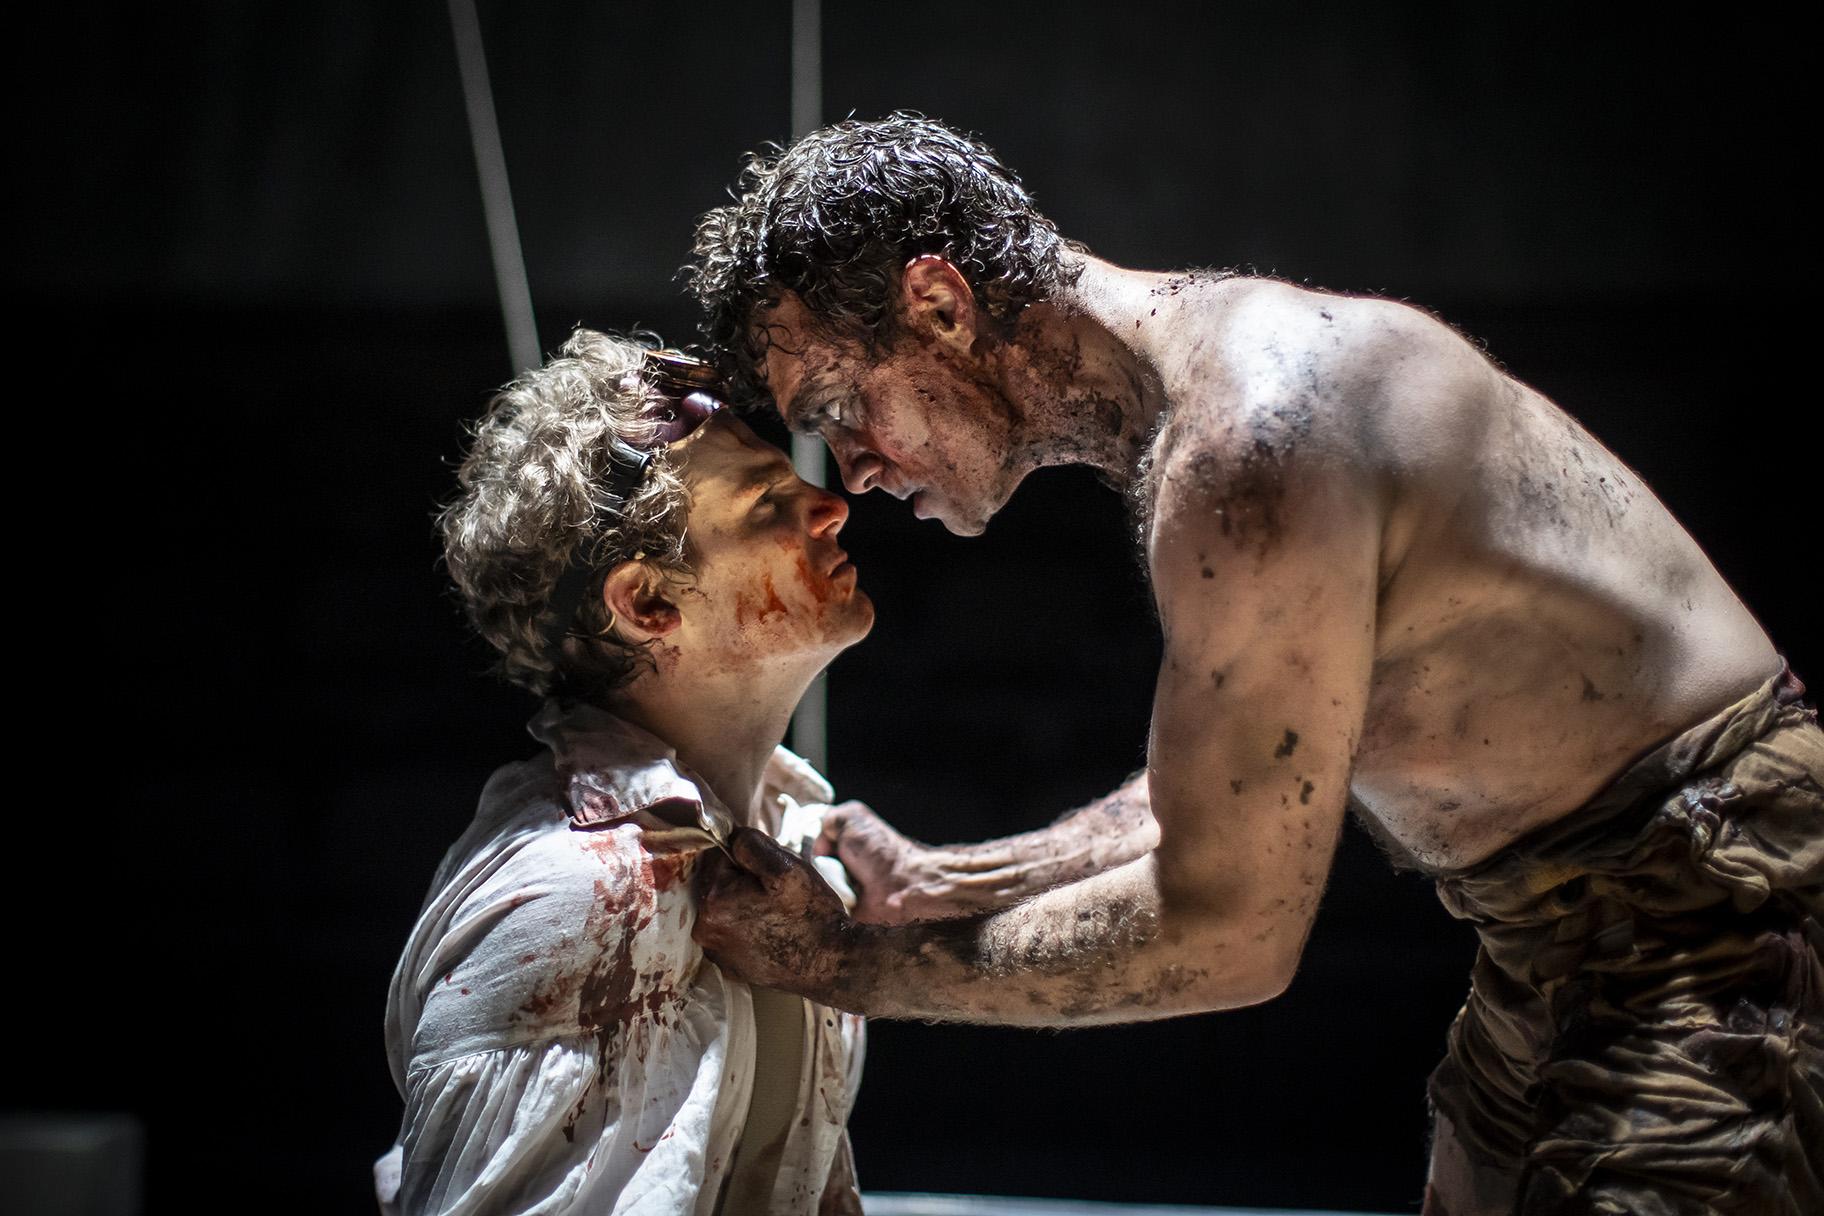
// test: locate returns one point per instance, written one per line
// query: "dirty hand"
(896, 878)
(770, 919)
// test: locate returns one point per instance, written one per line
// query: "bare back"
(1540, 618)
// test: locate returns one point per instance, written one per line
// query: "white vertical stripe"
(810, 724)
(496, 197)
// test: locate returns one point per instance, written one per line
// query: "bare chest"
(1544, 622)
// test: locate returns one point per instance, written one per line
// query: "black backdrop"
(257, 305)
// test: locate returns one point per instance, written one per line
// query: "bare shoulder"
(1272, 338)
(1265, 399)
(1291, 395)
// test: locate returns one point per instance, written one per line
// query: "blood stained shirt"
(560, 1042)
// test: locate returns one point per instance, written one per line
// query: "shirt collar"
(612, 772)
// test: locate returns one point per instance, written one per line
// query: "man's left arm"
(1265, 553)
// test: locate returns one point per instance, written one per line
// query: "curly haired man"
(657, 573)
(1390, 577)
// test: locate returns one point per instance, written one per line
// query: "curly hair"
(533, 500)
(836, 216)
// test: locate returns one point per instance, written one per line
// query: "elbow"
(1256, 974)
(1272, 976)
(1244, 982)
(1240, 968)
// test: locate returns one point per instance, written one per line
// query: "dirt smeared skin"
(1374, 510)
(899, 880)
(776, 924)
(1238, 462)
(1247, 492)
(1060, 969)
(1084, 422)
(790, 933)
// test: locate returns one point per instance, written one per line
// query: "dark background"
(256, 305)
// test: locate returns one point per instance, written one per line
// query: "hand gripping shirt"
(561, 1044)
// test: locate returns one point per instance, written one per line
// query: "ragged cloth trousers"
(1644, 1032)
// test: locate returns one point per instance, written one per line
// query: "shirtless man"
(1390, 577)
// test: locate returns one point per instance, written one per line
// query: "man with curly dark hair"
(1390, 577)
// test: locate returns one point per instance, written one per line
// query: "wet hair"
(534, 499)
(835, 217)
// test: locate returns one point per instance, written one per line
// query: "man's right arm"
(902, 880)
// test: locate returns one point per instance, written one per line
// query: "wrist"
(926, 867)
(851, 976)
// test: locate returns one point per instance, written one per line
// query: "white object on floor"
(1009, 1205)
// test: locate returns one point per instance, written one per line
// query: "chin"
(842, 627)
(857, 622)
(970, 526)
(969, 519)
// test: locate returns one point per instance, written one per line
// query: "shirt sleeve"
(579, 932)
(566, 1047)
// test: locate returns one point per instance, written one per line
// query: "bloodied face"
(769, 580)
(922, 420)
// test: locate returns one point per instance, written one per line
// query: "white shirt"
(561, 1044)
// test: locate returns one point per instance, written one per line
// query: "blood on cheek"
(815, 585)
(758, 605)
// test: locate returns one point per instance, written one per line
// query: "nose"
(828, 513)
(861, 469)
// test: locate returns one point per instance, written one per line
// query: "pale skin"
(771, 599)
(1384, 570)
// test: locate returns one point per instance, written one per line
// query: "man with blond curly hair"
(1390, 577)
(657, 574)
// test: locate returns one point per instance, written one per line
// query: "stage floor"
(898, 1204)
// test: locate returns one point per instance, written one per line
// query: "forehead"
(798, 354)
(724, 456)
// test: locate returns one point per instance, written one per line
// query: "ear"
(633, 592)
(936, 299)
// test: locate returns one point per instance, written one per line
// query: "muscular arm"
(1268, 608)
(1265, 548)
(901, 880)
(1260, 697)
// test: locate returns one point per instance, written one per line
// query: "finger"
(867, 841)
(829, 837)
(760, 855)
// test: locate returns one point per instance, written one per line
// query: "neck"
(724, 725)
(1080, 369)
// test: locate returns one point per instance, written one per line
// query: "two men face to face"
(922, 420)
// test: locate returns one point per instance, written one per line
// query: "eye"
(768, 501)
(825, 415)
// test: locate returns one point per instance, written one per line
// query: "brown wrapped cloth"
(1645, 1025)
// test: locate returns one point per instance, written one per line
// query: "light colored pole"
(810, 723)
(496, 197)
